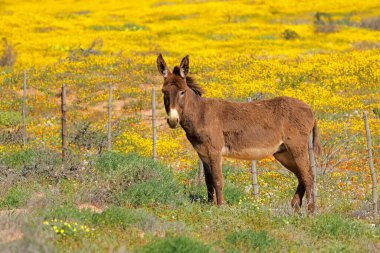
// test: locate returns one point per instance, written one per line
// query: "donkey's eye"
(182, 92)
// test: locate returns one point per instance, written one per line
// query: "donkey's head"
(176, 88)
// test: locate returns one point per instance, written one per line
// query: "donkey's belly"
(250, 153)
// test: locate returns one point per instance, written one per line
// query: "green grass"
(125, 27)
(140, 181)
(36, 161)
(249, 241)
(15, 197)
(179, 244)
(112, 217)
(145, 208)
(334, 226)
(10, 118)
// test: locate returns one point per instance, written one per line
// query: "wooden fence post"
(254, 179)
(64, 122)
(154, 124)
(109, 117)
(24, 113)
(313, 167)
(254, 173)
(373, 174)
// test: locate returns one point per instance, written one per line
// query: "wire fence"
(155, 127)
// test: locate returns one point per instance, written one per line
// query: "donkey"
(250, 131)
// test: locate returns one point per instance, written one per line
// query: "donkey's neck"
(192, 113)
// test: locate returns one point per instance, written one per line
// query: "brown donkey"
(250, 131)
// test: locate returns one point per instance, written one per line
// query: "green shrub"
(372, 23)
(10, 118)
(10, 132)
(289, 34)
(249, 241)
(341, 246)
(8, 56)
(112, 216)
(232, 192)
(178, 244)
(16, 160)
(323, 23)
(138, 181)
(63, 212)
(83, 135)
(29, 159)
(15, 197)
(336, 227)
(41, 162)
(125, 27)
(111, 162)
(118, 217)
(376, 111)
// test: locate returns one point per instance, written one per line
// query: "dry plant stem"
(329, 154)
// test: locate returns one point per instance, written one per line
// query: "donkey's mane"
(190, 82)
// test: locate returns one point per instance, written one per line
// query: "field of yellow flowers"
(326, 53)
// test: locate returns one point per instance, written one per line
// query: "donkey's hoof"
(220, 203)
(296, 204)
(310, 208)
(212, 201)
(296, 208)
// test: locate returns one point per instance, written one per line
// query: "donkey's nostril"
(173, 123)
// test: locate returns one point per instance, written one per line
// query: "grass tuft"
(16, 197)
(178, 244)
(140, 181)
(334, 226)
(250, 241)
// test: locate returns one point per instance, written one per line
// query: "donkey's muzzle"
(172, 124)
(173, 118)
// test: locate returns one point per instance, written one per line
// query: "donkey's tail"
(317, 148)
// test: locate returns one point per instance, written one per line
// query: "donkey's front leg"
(217, 177)
(209, 183)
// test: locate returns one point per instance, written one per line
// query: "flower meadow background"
(322, 52)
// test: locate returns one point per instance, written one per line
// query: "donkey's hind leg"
(300, 156)
(286, 159)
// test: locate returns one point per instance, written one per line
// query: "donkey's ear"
(161, 66)
(184, 66)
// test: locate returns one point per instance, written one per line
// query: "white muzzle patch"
(173, 118)
(173, 115)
